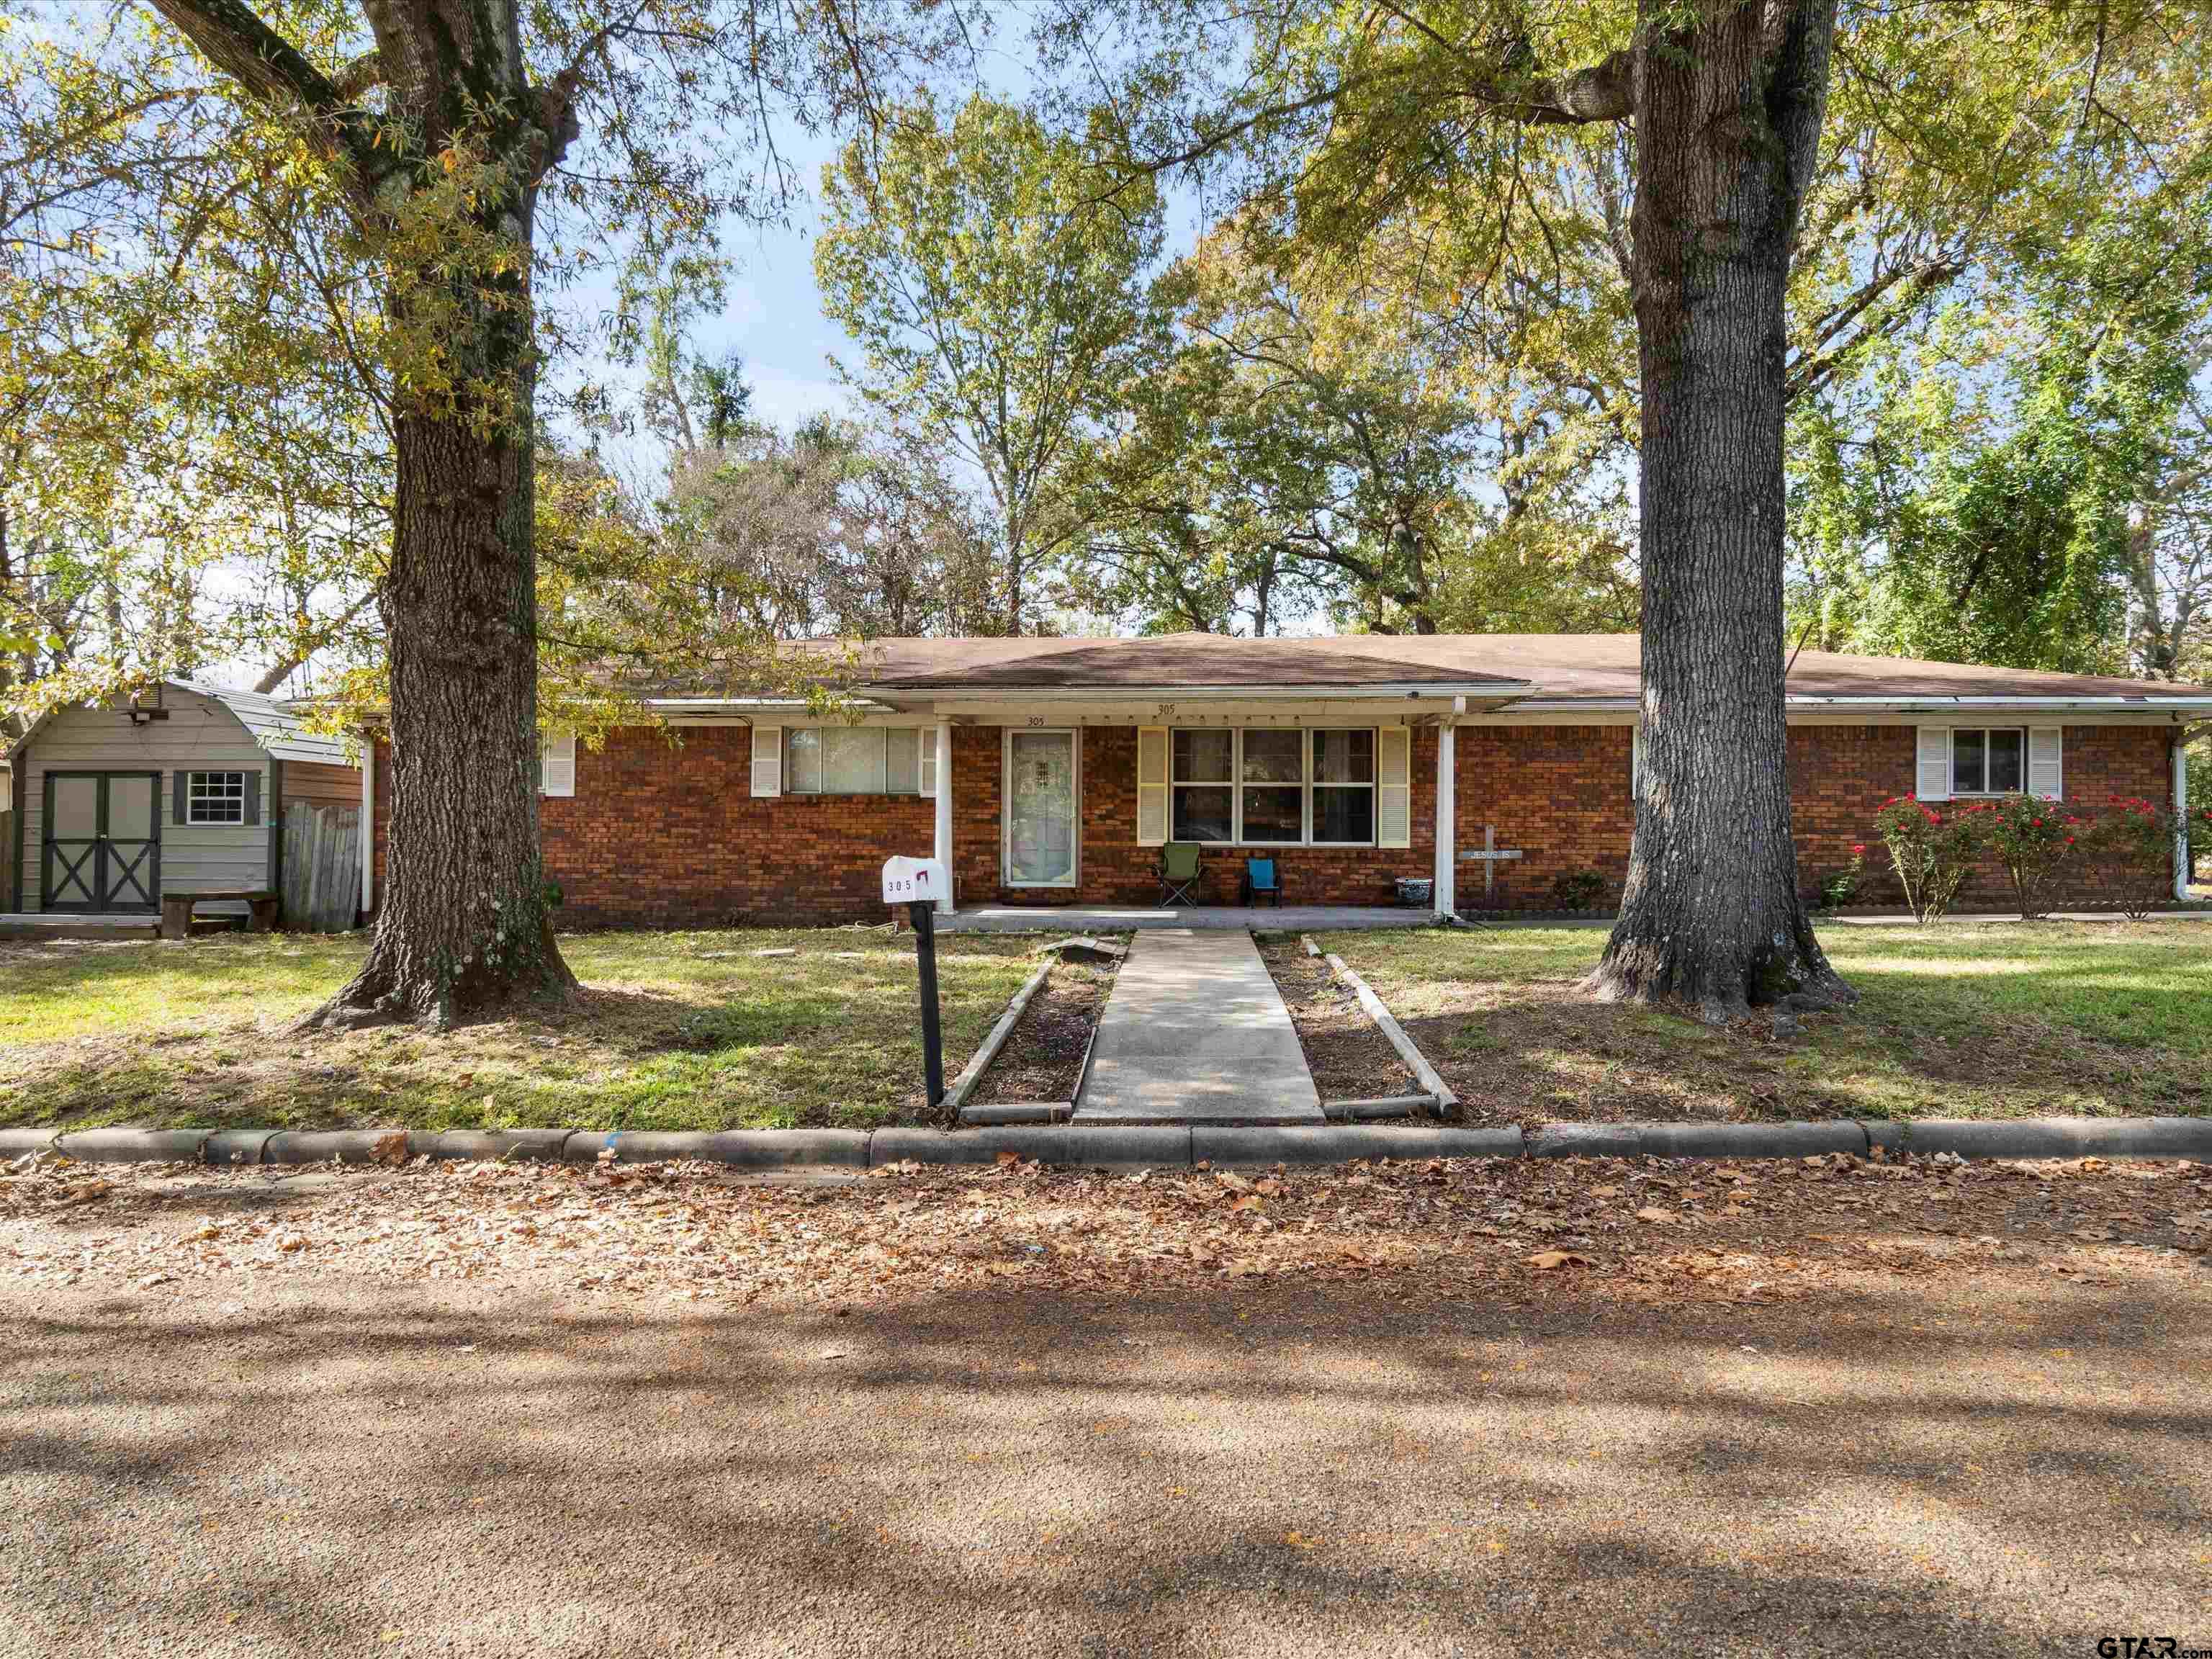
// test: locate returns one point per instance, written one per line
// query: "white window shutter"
(1393, 786)
(927, 739)
(556, 765)
(2046, 762)
(1152, 786)
(1933, 781)
(767, 760)
(1636, 762)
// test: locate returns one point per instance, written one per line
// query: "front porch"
(1123, 919)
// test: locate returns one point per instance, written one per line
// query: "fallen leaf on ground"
(1653, 1213)
(1544, 1261)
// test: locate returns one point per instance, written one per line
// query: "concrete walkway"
(1196, 1032)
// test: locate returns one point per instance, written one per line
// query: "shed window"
(214, 798)
(852, 760)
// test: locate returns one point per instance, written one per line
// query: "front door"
(101, 849)
(1040, 815)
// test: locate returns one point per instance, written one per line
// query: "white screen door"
(1041, 809)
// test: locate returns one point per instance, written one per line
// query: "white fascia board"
(2147, 707)
(1921, 704)
(1439, 691)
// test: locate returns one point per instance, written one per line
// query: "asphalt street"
(2003, 1454)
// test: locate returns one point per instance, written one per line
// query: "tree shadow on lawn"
(611, 1057)
(1913, 1046)
(1266, 1470)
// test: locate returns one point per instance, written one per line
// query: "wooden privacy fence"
(321, 868)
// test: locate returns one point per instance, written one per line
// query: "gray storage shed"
(182, 790)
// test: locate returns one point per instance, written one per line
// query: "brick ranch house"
(1049, 771)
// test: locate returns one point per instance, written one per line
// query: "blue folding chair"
(1262, 881)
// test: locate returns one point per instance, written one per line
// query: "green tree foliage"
(400, 186)
(998, 306)
(1298, 449)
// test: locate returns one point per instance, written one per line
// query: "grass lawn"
(1960, 1019)
(675, 1031)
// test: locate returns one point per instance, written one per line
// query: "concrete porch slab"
(1125, 919)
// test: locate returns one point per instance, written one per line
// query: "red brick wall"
(1561, 793)
(661, 834)
(664, 835)
(1558, 793)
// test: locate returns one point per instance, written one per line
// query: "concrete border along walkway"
(1196, 1031)
(1130, 1146)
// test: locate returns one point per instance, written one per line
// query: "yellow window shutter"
(767, 760)
(1152, 786)
(1393, 791)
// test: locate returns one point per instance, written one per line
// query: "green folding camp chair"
(1178, 872)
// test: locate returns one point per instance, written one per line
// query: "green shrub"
(1578, 889)
(2034, 840)
(1842, 889)
(1930, 852)
(2130, 847)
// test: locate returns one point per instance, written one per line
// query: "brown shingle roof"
(1570, 666)
(1171, 659)
(1555, 667)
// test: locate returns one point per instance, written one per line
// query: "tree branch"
(232, 37)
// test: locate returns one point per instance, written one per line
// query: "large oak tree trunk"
(1728, 117)
(466, 919)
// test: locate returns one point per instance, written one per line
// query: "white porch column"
(2180, 820)
(1447, 816)
(943, 850)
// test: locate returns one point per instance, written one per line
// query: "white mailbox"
(915, 881)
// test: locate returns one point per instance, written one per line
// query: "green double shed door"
(100, 844)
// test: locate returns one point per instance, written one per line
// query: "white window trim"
(194, 800)
(924, 743)
(1236, 784)
(1951, 750)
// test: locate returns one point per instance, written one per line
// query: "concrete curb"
(1750, 1140)
(743, 1149)
(17, 1143)
(508, 1145)
(1335, 1144)
(134, 1146)
(2063, 1137)
(232, 1146)
(1146, 1145)
(321, 1146)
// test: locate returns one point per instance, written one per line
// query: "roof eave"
(1335, 691)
